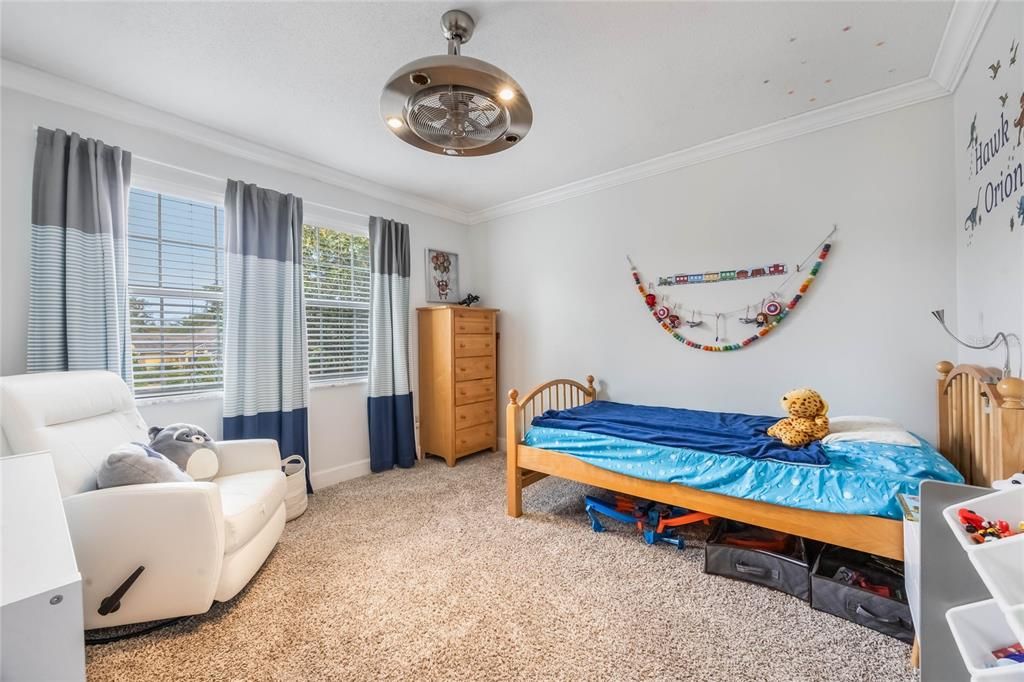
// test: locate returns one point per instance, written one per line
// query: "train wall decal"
(723, 275)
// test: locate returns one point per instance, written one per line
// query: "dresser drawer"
(473, 368)
(473, 391)
(472, 314)
(474, 414)
(473, 345)
(474, 439)
(473, 322)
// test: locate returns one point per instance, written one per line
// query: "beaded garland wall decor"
(770, 315)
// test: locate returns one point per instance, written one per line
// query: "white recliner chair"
(198, 542)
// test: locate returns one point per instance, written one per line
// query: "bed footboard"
(559, 394)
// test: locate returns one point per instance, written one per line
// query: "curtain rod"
(354, 214)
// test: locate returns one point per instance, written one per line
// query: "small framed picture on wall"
(442, 276)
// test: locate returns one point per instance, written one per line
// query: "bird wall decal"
(1002, 98)
(1013, 52)
(994, 68)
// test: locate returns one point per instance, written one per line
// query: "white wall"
(863, 336)
(990, 258)
(337, 414)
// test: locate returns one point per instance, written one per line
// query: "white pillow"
(861, 429)
(888, 436)
(859, 423)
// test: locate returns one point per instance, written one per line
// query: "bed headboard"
(559, 394)
(981, 422)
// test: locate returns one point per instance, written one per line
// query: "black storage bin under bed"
(838, 586)
(761, 556)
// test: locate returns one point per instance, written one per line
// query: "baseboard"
(344, 472)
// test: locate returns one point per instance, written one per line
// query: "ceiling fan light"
(395, 122)
(507, 94)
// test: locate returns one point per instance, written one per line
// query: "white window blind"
(176, 293)
(336, 284)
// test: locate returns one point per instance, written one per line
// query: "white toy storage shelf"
(985, 626)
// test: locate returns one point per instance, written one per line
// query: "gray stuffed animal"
(133, 463)
(189, 447)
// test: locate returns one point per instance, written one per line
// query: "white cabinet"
(41, 623)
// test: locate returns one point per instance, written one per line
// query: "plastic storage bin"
(888, 615)
(1002, 504)
(1001, 567)
(738, 551)
(979, 629)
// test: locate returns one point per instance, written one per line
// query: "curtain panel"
(78, 296)
(389, 406)
(266, 385)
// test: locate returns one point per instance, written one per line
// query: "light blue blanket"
(862, 478)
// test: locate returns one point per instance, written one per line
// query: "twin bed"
(849, 501)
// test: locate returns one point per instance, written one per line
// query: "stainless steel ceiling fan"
(455, 105)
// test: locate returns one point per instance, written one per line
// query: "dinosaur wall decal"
(1019, 123)
(972, 218)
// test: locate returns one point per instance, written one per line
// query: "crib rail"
(981, 422)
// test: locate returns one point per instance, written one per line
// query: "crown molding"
(964, 27)
(17, 76)
(875, 103)
(967, 21)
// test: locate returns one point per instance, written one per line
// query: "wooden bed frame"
(981, 427)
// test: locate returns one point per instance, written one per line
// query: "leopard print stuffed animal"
(807, 420)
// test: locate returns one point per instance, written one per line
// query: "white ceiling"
(611, 84)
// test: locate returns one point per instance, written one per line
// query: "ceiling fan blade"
(476, 125)
(483, 104)
(432, 113)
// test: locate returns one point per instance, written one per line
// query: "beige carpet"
(419, 575)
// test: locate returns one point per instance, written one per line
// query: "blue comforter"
(862, 478)
(721, 433)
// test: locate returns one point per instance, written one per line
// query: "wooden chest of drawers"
(458, 381)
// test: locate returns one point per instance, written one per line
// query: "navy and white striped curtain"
(266, 388)
(389, 405)
(78, 297)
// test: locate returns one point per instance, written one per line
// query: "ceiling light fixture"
(455, 105)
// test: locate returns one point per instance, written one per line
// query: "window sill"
(314, 385)
(183, 398)
(219, 395)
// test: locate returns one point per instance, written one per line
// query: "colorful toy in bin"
(656, 522)
(982, 530)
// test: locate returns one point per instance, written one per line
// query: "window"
(175, 293)
(336, 284)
